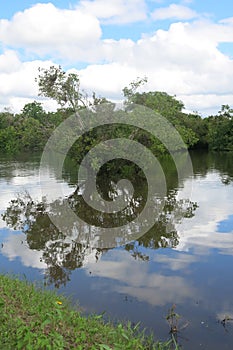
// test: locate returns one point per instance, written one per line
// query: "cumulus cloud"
(17, 81)
(184, 60)
(174, 11)
(9, 62)
(115, 11)
(44, 29)
(108, 79)
(208, 104)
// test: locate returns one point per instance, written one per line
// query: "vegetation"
(37, 319)
(30, 129)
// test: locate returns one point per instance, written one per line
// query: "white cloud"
(44, 29)
(174, 11)
(9, 62)
(17, 81)
(208, 104)
(115, 11)
(109, 79)
(184, 60)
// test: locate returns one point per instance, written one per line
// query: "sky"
(184, 48)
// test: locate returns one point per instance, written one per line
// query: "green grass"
(32, 318)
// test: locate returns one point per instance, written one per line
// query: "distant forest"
(30, 129)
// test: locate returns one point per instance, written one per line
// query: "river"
(185, 259)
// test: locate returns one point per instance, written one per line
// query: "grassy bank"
(36, 319)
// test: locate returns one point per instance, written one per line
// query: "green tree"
(6, 119)
(33, 110)
(226, 112)
(220, 132)
(169, 107)
(32, 135)
(129, 92)
(160, 102)
(62, 87)
(9, 141)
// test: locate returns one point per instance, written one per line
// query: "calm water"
(186, 259)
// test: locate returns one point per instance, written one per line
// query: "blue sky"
(226, 226)
(184, 48)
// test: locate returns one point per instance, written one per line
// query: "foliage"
(169, 107)
(32, 318)
(129, 92)
(30, 129)
(9, 141)
(173, 319)
(33, 110)
(220, 133)
(160, 102)
(64, 88)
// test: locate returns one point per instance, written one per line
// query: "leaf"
(104, 347)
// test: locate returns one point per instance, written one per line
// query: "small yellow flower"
(59, 302)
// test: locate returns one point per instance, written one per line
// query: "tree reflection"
(63, 252)
(163, 234)
(205, 161)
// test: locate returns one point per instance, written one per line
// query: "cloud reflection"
(134, 278)
(15, 246)
(175, 263)
(201, 232)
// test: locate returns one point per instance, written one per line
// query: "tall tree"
(129, 92)
(62, 87)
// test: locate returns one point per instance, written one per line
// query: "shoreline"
(34, 318)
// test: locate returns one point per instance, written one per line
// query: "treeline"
(30, 129)
(214, 132)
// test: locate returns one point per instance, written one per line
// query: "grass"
(32, 318)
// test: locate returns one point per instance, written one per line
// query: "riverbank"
(32, 318)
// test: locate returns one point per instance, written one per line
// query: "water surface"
(185, 259)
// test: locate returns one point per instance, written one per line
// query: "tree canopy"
(31, 128)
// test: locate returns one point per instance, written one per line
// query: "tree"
(129, 92)
(32, 135)
(6, 119)
(62, 87)
(160, 102)
(166, 105)
(9, 140)
(220, 130)
(226, 112)
(33, 110)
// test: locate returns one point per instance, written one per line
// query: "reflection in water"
(186, 258)
(63, 253)
(226, 225)
(136, 279)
